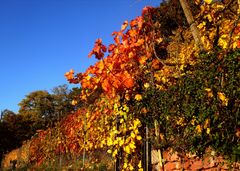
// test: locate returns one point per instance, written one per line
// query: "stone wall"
(175, 162)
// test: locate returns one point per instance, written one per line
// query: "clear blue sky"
(40, 40)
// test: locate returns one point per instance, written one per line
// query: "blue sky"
(40, 40)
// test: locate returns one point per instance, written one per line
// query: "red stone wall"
(175, 162)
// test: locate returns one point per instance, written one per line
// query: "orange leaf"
(106, 85)
(142, 60)
(111, 47)
(156, 64)
(132, 33)
(69, 75)
(139, 42)
(117, 39)
(128, 81)
(133, 23)
(139, 21)
(124, 26)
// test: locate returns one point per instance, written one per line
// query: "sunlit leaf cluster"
(144, 77)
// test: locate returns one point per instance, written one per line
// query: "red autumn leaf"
(98, 41)
(146, 10)
(90, 54)
(139, 21)
(133, 23)
(103, 48)
(99, 55)
(98, 49)
(111, 47)
(114, 33)
(117, 33)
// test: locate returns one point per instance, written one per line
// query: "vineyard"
(165, 83)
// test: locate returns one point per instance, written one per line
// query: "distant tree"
(37, 107)
(38, 110)
(44, 109)
(7, 115)
(8, 139)
(9, 120)
(5, 138)
(61, 101)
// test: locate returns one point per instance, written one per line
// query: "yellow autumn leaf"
(74, 102)
(109, 142)
(157, 76)
(193, 121)
(235, 45)
(127, 149)
(142, 60)
(136, 123)
(180, 122)
(133, 135)
(223, 98)
(146, 85)
(208, 130)
(132, 145)
(201, 25)
(198, 129)
(208, 89)
(121, 142)
(138, 97)
(208, 1)
(121, 120)
(197, 2)
(88, 77)
(127, 97)
(139, 137)
(208, 17)
(125, 165)
(159, 40)
(209, 92)
(206, 123)
(140, 164)
(131, 167)
(223, 41)
(139, 42)
(114, 153)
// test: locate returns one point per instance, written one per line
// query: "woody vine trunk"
(192, 23)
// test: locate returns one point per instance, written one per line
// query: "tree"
(7, 115)
(43, 108)
(61, 101)
(37, 107)
(8, 131)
